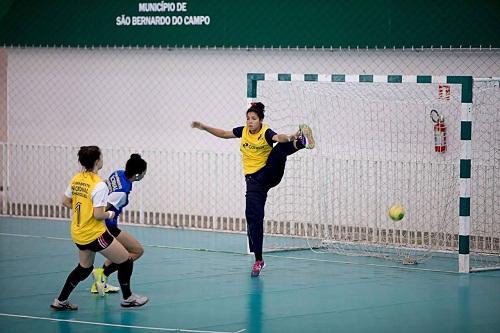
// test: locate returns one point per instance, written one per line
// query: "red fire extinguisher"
(439, 132)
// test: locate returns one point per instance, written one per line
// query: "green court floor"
(211, 291)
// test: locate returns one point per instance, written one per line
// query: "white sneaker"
(62, 306)
(134, 300)
(111, 289)
(108, 288)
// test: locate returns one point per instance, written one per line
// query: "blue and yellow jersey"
(119, 187)
(85, 228)
(255, 148)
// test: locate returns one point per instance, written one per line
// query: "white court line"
(270, 255)
(34, 236)
(116, 325)
(148, 245)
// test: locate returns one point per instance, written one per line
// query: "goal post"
(375, 146)
(465, 170)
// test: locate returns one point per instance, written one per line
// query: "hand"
(111, 214)
(197, 124)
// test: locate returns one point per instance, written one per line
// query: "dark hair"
(258, 108)
(135, 165)
(88, 155)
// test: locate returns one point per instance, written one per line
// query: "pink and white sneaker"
(257, 267)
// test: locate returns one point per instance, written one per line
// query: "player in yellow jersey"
(263, 166)
(87, 197)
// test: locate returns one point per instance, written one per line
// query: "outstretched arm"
(212, 130)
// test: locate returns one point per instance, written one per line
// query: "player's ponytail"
(135, 165)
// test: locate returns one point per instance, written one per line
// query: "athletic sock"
(108, 270)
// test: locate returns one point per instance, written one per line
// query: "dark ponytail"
(258, 108)
(135, 165)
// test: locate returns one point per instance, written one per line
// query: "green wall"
(303, 23)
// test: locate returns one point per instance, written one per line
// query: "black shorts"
(99, 244)
(114, 230)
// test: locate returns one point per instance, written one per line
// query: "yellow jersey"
(254, 149)
(85, 228)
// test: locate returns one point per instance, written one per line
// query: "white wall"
(147, 98)
(127, 100)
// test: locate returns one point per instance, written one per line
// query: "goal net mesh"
(374, 148)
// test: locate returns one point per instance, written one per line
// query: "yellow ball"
(397, 212)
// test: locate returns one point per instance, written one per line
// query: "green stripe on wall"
(463, 244)
(464, 209)
(294, 23)
(465, 168)
(466, 130)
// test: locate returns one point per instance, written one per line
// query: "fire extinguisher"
(439, 132)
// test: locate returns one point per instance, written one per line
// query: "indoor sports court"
(192, 290)
(299, 167)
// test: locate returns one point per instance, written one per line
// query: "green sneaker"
(306, 136)
(99, 280)
(93, 288)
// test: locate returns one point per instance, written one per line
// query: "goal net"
(485, 183)
(375, 147)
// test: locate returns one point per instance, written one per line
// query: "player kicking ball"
(263, 167)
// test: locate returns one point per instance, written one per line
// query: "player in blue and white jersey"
(119, 186)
